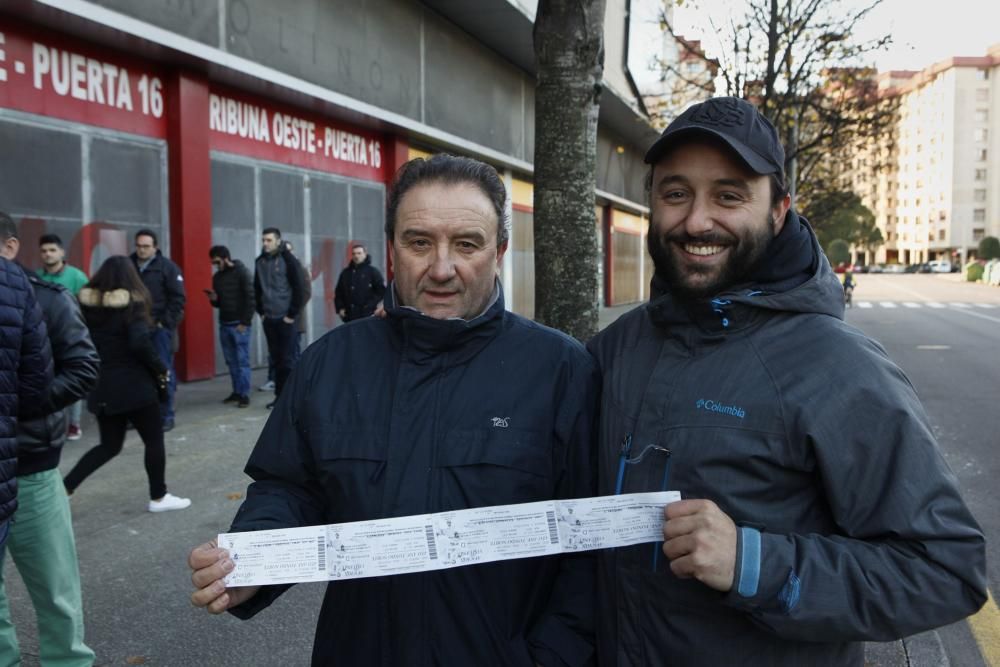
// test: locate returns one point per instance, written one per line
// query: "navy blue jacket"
(165, 283)
(25, 371)
(411, 415)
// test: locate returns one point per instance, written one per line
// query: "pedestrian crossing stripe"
(887, 304)
(911, 304)
(959, 304)
(864, 304)
(984, 305)
(935, 304)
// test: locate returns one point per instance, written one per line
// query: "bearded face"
(711, 219)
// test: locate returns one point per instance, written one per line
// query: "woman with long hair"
(116, 306)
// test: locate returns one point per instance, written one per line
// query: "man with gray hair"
(435, 407)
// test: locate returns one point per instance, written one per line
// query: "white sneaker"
(169, 502)
(267, 386)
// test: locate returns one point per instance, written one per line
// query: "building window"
(979, 215)
(982, 74)
(941, 235)
(979, 134)
(980, 174)
(981, 154)
(979, 195)
(978, 234)
(982, 115)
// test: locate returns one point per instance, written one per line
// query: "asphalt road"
(133, 564)
(945, 335)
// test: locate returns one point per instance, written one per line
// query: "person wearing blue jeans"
(165, 283)
(233, 294)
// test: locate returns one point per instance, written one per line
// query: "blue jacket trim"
(749, 562)
(789, 593)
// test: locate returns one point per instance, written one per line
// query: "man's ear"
(501, 251)
(392, 257)
(779, 212)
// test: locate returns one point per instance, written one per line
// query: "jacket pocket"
(352, 468)
(496, 466)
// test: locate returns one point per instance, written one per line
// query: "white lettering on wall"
(92, 80)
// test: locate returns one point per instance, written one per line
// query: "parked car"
(876, 268)
(940, 266)
(894, 268)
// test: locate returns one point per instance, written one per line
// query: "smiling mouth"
(702, 250)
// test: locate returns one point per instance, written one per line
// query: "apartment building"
(933, 180)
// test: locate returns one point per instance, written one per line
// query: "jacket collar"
(794, 276)
(425, 338)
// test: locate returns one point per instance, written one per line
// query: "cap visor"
(756, 163)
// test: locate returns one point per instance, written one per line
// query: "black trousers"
(148, 424)
(281, 338)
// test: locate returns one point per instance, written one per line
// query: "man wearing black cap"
(811, 520)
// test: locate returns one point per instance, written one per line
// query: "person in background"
(26, 368)
(165, 284)
(302, 321)
(232, 294)
(360, 286)
(55, 269)
(133, 377)
(278, 297)
(41, 538)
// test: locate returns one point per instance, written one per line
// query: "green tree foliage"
(838, 252)
(989, 248)
(837, 214)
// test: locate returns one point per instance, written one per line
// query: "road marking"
(959, 304)
(984, 305)
(985, 626)
(912, 304)
(935, 304)
(864, 304)
(887, 304)
(983, 317)
(933, 347)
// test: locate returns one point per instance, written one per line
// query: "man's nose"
(442, 264)
(699, 217)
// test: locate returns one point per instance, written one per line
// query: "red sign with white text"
(53, 76)
(240, 124)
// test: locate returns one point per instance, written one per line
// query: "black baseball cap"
(734, 121)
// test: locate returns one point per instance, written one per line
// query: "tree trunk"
(569, 54)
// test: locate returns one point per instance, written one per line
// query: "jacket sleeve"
(377, 288)
(564, 634)
(340, 292)
(76, 359)
(293, 272)
(141, 346)
(35, 369)
(286, 492)
(906, 554)
(248, 294)
(173, 290)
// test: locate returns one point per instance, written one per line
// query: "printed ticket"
(427, 542)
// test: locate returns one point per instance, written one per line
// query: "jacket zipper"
(622, 458)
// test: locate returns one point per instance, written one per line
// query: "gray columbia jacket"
(800, 428)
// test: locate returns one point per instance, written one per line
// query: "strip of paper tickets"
(421, 543)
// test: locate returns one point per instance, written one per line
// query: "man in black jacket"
(165, 283)
(26, 369)
(359, 288)
(232, 294)
(41, 535)
(278, 296)
(434, 408)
